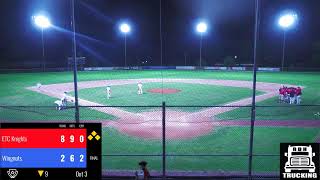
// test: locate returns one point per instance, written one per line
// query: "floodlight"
(287, 20)
(202, 27)
(42, 21)
(125, 28)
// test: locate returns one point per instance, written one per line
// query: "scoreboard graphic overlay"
(50, 151)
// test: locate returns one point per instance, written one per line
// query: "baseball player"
(291, 95)
(39, 85)
(64, 100)
(281, 94)
(58, 105)
(140, 88)
(298, 95)
(62, 103)
(286, 94)
(108, 92)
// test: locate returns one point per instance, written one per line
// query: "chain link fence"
(199, 141)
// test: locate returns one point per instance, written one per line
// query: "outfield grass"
(281, 112)
(194, 94)
(13, 92)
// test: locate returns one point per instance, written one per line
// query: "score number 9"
(71, 139)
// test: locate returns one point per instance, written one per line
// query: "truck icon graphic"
(299, 158)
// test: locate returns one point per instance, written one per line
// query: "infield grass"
(190, 95)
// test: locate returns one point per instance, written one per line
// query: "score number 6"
(71, 158)
(71, 139)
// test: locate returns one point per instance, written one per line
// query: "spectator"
(143, 172)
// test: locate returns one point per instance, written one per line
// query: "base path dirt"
(164, 90)
(179, 125)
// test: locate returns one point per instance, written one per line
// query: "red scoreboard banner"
(43, 138)
(50, 151)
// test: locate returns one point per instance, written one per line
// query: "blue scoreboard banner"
(50, 151)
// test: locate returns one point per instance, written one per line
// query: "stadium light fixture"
(125, 29)
(286, 21)
(42, 22)
(201, 28)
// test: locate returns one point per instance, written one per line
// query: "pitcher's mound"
(164, 90)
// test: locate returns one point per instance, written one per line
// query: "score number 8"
(71, 139)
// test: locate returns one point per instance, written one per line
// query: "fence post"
(253, 106)
(74, 50)
(163, 140)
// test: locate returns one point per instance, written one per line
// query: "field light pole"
(125, 50)
(42, 22)
(43, 55)
(200, 50)
(285, 22)
(125, 29)
(201, 29)
(283, 50)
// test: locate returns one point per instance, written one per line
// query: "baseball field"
(199, 137)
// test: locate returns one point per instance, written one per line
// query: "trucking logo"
(299, 160)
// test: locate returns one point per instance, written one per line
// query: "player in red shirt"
(281, 94)
(286, 94)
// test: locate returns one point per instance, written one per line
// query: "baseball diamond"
(162, 89)
(153, 128)
(218, 123)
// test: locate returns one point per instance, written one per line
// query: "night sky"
(231, 25)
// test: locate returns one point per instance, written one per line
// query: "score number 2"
(71, 139)
(71, 158)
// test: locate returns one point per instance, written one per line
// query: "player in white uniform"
(58, 104)
(108, 92)
(64, 100)
(39, 85)
(140, 91)
(62, 103)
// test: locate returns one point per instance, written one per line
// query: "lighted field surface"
(190, 130)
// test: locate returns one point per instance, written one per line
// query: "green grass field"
(227, 140)
(190, 95)
(222, 140)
